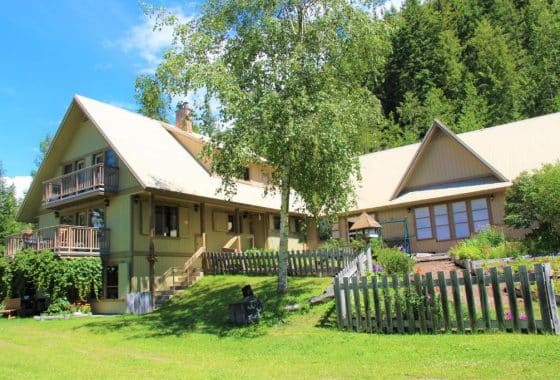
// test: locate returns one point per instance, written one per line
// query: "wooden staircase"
(180, 278)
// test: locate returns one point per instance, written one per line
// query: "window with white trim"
(423, 223)
(479, 214)
(442, 222)
(460, 220)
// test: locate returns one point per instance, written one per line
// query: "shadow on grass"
(328, 319)
(204, 308)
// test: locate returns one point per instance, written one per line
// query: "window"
(423, 223)
(81, 219)
(231, 223)
(111, 158)
(460, 220)
(246, 174)
(299, 222)
(112, 284)
(296, 224)
(68, 168)
(324, 229)
(79, 165)
(265, 178)
(67, 219)
(98, 158)
(167, 221)
(96, 217)
(276, 221)
(442, 222)
(479, 214)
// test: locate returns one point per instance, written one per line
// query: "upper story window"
(423, 223)
(167, 221)
(111, 158)
(98, 158)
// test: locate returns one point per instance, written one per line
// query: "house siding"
(445, 160)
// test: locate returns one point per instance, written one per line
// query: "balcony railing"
(63, 240)
(96, 179)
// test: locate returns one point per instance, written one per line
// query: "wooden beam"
(152, 249)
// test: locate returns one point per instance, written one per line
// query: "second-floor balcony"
(95, 180)
(62, 240)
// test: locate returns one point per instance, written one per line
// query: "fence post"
(551, 299)
(348, 301)
(338, 299)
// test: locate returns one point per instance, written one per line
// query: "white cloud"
(21, 184)
(149, 42)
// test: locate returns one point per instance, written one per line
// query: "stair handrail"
(193, 258)
(228, 246)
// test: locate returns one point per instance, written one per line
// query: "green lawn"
(191, 339)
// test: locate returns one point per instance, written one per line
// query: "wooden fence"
(300, 263)
(424, 304)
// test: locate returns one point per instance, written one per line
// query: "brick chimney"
(183, 117)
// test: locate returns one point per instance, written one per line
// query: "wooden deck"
(94, 180)
(63, 240)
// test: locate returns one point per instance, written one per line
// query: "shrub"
(57, 278)
(394, 261)
(492, 236)
(487, 244)
(467, 250)
(533, 202)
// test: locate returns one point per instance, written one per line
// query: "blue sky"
(53, 50)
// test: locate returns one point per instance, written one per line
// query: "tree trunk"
(284, 224)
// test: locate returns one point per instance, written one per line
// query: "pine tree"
(8, 208)
(495, 74)
(543, 44)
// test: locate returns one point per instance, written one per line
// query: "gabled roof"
(509, 149)
(425, 145)
(155, 158)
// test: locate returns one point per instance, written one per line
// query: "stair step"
(188, 280)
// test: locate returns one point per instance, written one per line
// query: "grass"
(190, 338)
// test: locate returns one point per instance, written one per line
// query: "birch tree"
(280, 72)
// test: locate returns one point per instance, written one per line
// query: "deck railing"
(98, 177)
(64, 240)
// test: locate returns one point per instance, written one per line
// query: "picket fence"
(415, 303)
(327, 262)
